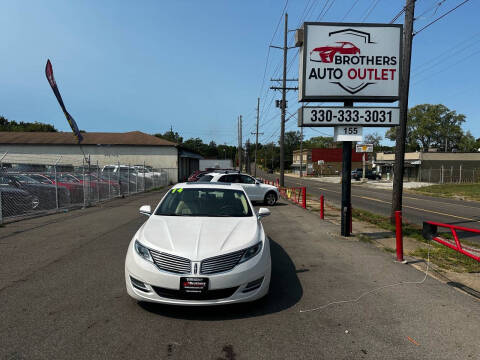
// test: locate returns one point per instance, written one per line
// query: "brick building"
(324, 161)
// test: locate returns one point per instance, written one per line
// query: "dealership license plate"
(193, 285)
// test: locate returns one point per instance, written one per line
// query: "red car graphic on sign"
(326, 53)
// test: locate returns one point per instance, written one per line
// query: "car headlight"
(143, 251)
(251, 252)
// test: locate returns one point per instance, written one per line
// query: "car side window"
(224, 179)
(230, 178)
(205, 178)
(247, 179)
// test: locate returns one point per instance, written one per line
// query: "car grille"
(171, 263)
(218, 264)
(208, 295)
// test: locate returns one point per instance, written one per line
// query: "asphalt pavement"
(63, 297)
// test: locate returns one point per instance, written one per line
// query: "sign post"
(346, 184)
(349, 62)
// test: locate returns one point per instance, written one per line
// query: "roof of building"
(90, 138)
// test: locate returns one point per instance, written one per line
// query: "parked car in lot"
(75, 189)
(196, 175)
(369, 174)
(15, 201)
(256, 190)
(43, 192)
(202, 245)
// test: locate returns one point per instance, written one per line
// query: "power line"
(436, 7)
(468, 57)
(349, 10)
(370, 10)
(440, 17)
(440, 57)
(271, 41)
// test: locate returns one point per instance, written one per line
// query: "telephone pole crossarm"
(283, 88)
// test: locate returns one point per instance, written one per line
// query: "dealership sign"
(350, 62)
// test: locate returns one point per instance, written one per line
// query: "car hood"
(197, 238)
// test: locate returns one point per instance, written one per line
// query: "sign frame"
(300, 117)
(346, 97)
(369, 148)
(338, 137)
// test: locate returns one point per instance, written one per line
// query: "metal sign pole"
(363, 165)
(346, 183)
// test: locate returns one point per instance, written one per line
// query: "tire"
(270, 198)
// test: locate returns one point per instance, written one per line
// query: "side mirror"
(262, 212)
(146, 210)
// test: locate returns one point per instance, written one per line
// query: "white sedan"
(256, 190)
(202, 245)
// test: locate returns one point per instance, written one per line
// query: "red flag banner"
(53, 84)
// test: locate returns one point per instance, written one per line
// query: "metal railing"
(430, 232)
(298, 195)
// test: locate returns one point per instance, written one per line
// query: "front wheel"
(270, 198)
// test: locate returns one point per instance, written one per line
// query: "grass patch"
(383, 222)
(448, 259)
(440, 255)
(467, 191)
(364, 238)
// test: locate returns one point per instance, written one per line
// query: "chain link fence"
(447, 175)
(32, 186)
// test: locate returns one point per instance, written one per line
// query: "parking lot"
(63, 296)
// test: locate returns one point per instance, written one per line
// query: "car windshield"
(40, 178)
(25, 179)
(205, 202)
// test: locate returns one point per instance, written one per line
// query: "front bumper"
(224, 288)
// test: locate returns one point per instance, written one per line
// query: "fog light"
(137, 284)
(253, 285)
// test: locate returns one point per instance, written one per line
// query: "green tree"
(321, 142)
(171, 136)
(373, 138)
(468, 143)
(292, 142)
(6, 125)
(431, 126)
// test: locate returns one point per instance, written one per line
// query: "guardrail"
(430, 232)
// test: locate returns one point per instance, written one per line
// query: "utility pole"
(301, 151)
(247, 157)
(240, 143)
(256, 136)
(402, 129)
(283, 103)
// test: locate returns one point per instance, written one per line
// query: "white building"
(134, 148)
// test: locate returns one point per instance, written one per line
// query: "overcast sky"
(197, 65)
